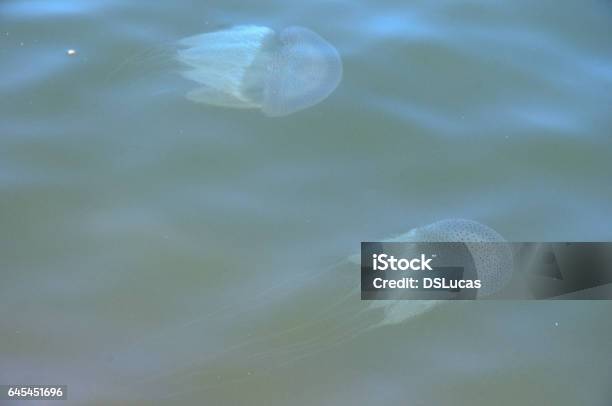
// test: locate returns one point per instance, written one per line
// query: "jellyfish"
(494, 263)
(254, 67)
(336, 314)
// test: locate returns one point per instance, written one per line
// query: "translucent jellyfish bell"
(253, 67)
(494, 263)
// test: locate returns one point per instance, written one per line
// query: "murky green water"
(157, 251)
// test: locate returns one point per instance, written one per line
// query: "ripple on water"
(43, 8)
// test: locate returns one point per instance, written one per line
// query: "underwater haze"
(158, 251)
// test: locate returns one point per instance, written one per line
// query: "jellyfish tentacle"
(219, 98)
(347, 336)
(259, 298)
(243, 344)
(248, 305)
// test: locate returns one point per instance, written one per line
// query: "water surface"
(137, 227)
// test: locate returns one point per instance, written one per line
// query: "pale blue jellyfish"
(494, 263)
(335, 318)
(254, 67)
